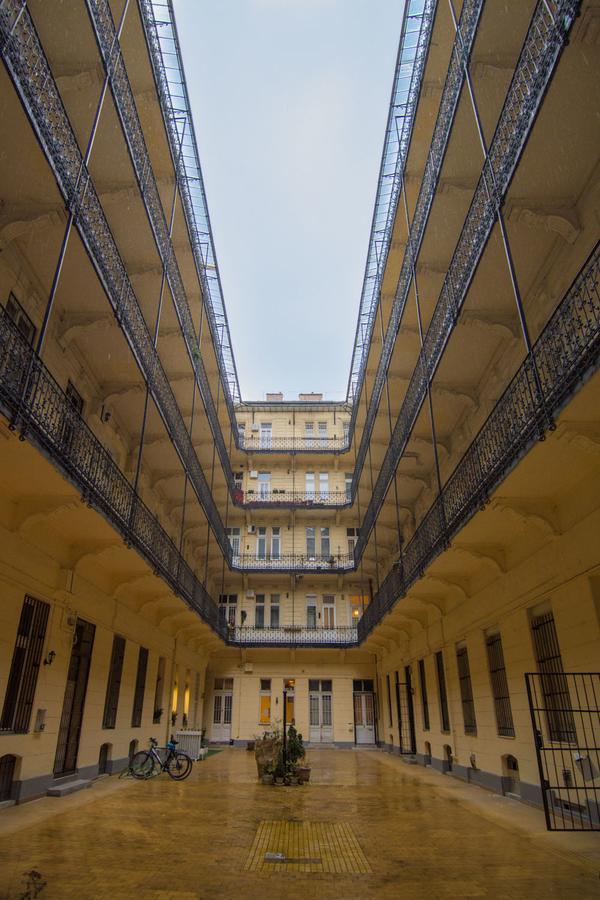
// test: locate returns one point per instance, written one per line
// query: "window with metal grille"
(424, 700)
(389, 699)
(109, 720)
(559, 712)
(441, 679)
(20, 318)
(25, 666)
(158, 690)
(495, 655)
(466, 690)
(140, 686)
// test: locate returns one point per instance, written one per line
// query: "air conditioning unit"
(254, 428)
(253, 473)
(250, 595)
(251, 529)
(248, 667)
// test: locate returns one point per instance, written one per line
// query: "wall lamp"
(49, 658)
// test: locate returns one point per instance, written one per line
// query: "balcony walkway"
(421, 834)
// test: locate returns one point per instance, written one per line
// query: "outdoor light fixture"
(49, 658)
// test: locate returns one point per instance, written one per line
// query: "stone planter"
(303, 774)
(266, 752)
(267, 779)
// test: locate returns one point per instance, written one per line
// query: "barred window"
(441, 679)
(559, 713)
(502, 707)
(25, 666)
(113, 687)
(140, 686)
(424, 700)
(466, 690)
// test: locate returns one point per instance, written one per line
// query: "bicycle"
(147, 763)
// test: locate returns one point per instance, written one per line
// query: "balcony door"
(320, 699)
(222, 709)
(266, 432)
(328, 611)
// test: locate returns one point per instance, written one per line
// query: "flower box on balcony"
(292, 627)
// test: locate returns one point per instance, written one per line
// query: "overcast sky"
(290, 101)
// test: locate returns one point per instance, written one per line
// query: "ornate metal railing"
(28, 389)
(294, 562)
(163, 43)
(542, 47)
(412, 55)
(30, 72)
(293, 635)
(294, 444)
(455, 77)
(110, 51)
(282, 497)
(566, 352)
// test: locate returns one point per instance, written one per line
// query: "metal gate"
(565, 715)
(405, 711)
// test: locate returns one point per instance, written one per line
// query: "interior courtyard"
(408, 577)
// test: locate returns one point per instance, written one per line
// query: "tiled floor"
(422, 836)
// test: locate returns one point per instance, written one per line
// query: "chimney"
(274, 398)
(310, 398)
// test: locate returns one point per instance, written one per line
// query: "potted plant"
(268, 775)
(296, 753)
(280, 770)
(266, 749)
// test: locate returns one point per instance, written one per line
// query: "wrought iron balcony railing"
(30, 72)
(30, 393)
(293, 444)
(542, 47)
(566, 353)
(179, 129)
(293, 635)
(455, 77)
(290, 499)
(293, 562)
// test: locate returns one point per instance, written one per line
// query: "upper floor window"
(323, 485)
(346, 427)
(259, 611)
(264, 485)
(348, 485)
(18, 315)
(310, 485)
(311, 610)
(274, 611)
(241, 426)
(322, 430)
(234, 539)
(325, 545)
(266, 433)
(227, 608)
(275, 542)
(311, 547)
(261, 543)
(328, 611)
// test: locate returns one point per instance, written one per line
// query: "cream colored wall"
(279, 665)
(293, 610)
(562, 576)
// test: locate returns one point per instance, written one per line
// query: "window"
(324, 485)
(466, 690)
(227, 608)
(328, 611)
(311, 548)
(275, 542)
(25, 666)
(322, 431)
(241, 432)
(361, 685)
(316, 685)
(424, 700)
(140, 685)
(234, 539)
(352, 535)
(265, 435)
(238, 481)
(265, 701)
(325, 549)
(20, 318)
(346, 427)
(309, 431)
(441, 678)
(274, 611)
(561, 725)
(311, 611)
(348, 485)
(357, 607)
(310, 485)
(259, 611)
(113, 687)
(389, 699)
(264, 485)
(261, 543)
(158, 690)
(495, 655)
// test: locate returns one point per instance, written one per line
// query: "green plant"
(294, 746)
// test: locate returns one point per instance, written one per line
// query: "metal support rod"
(420, 324)
(389, 406)
(503, 232)
(284, 748)
(83, 174)
(366, 393)
(212, 482)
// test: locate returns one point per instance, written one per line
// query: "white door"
(364, 718)
(321, 714)
(222, 706)
(265, 435)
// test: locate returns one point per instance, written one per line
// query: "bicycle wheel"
(142, 765)
(179, 766)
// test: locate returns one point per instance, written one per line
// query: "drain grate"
(306, 847)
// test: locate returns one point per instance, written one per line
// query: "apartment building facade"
(174, 557)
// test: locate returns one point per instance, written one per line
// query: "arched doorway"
(511, 783)
(447, 761)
